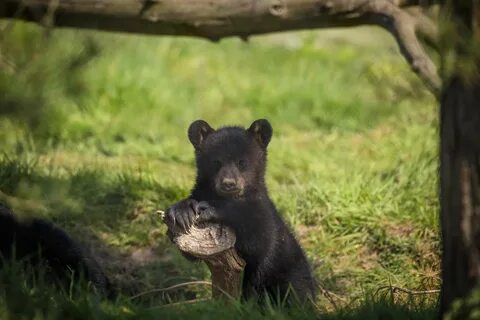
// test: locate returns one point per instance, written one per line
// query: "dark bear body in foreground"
(230, 189)
(39, 241)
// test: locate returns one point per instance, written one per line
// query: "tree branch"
(425, 24)
(216, 19)
(403, 27)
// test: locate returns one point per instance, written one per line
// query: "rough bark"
(216, 19)
(460, 167)
(460, 190)
(214, 244)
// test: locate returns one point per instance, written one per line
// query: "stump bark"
(214, 244)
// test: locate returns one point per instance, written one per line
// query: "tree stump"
(215, 245)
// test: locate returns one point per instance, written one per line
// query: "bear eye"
(242, 164)
(217, 164)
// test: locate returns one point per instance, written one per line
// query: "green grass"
(93, 135)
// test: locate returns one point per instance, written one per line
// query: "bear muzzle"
(230, 187)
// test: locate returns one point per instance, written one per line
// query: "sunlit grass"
(352, 164)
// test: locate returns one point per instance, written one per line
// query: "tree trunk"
(216, 19)
(460, 165)
(460, 189)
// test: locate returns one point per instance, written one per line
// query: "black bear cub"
(38, 241)
(230, 189)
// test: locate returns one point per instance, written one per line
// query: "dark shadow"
(94, 208)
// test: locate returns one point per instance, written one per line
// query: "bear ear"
(262, 131)
(198, 131)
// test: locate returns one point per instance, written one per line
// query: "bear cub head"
(231, 161)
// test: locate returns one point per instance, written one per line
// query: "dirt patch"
(400, 230)
(368, 258)
(303, 231)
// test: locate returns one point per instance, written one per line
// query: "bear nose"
(228, 183)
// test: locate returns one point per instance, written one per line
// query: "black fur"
(230, 189)
(39, 241)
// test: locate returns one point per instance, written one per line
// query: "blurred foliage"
(459, 45)
(467, 308)
(38, 72)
